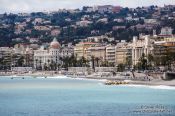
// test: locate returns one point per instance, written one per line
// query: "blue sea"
(77, 97)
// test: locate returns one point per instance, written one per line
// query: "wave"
(164, 87)
(85, 79)
(52, 77)
(88, 79)
(58, 77)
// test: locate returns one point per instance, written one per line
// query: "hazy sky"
(49, 5)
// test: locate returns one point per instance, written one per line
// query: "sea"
(64, 96)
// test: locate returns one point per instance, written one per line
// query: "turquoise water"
(72, 97)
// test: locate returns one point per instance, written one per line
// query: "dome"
(55, 44)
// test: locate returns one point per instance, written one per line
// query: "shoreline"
(154, 82)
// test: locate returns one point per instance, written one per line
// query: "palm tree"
(66, 62)
(45, 66)
(58, 66)
(36, 61)
(1, 62)
(143, 61)
(129, 61)
(79, 62)
(74, 60)
(121, 67)
(13, 59)
(48, 63)
(20, 61)
(150, 59)
(27, 59)
(62, 61)
(70, 61)
(97, 61)
(93, 62)
(105, 63)
(53, 65)
(83, 62)
(40, 64)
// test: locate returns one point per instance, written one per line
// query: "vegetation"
(121, 67)
(65, 21)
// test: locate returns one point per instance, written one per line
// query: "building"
(117, 9)
(84, 23)
(67, 51)
(166, 31)
(141, 46)
(105, 8)
(55, 32)
(123, 51)
(45, 57)
(110, 54)
(22, 55)
(164, 41)
(80, 49)
(96, 52)
(20, 48)
(164, 45)
(5, 56)
(28, 57)
(99, 39)
(151, 21)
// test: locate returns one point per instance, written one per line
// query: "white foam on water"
(132, 85)
(16, 76)
(101, 84)
(162, 87)
(39, 77)
(58, 77)
(53, 77)
(101, 80)
(152, 86)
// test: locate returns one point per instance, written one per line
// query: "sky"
(16, 6)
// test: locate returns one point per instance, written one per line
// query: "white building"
(104, 8)
(99, 39)
(142, 46)
(84, 23)
(44, 56)
(166, 31)
(67, 51)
